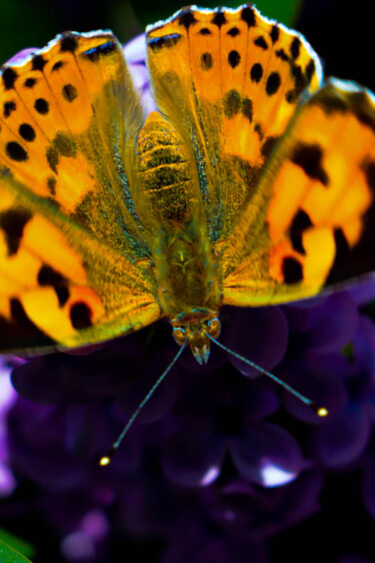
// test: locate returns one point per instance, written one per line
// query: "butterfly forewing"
(73, 266)
(230, 81)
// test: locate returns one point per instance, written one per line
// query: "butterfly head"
(195, 329)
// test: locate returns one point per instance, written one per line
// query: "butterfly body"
(253, 184)
(188, 285)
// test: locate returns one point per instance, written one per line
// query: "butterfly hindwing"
(73, 266)
(311, 225)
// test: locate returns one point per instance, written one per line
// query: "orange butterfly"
(253, 185)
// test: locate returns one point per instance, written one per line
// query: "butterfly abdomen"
(166, 178)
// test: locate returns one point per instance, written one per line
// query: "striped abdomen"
(164, 173)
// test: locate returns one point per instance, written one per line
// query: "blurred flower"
(7, 398)
(135, 55)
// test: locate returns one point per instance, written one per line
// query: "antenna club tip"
(105, 460)
(319, 410)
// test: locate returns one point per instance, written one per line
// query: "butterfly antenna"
(320, 411)
(107, 458)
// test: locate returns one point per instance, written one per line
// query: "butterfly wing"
(311, 223)
(229, 81)
(73, 265)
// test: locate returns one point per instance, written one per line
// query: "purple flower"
(135, 55)
(7, 398)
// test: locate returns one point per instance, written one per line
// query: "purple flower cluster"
(220, 462)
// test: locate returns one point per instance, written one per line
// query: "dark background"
(343, 35)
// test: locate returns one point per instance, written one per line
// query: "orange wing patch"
(60, 132)
(320, 217)
(235, 77)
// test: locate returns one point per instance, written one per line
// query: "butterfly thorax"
(170, 203)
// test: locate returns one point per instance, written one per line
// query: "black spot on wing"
(256, 72)
(13, 222)
(38, 62)
(207, 61)
(275, 33)
(42, 106)
(168, 41)
(292, 270)
(102, 50)
(205, 31)
(234, 58)
(69, 92)
(300, 81)
(273, 83)
(30, 82)
(186, 18)
(47, 276)
(27, 132)
(16, 152)
(9, 77)
(295, 48)
(261, 42)
(219, 19)
(248, 16)
(310, 70)
(233, 32)
(281, 54)
(8, 108)
(69, 43)
(301, 221)
(309, 158)
(20, 332)
(57, 66)
(80, 315)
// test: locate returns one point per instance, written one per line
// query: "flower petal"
(267, 455)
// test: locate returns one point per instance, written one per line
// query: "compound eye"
(179, 334)
(213, 328)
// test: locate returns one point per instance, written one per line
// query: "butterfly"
(253, 184)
